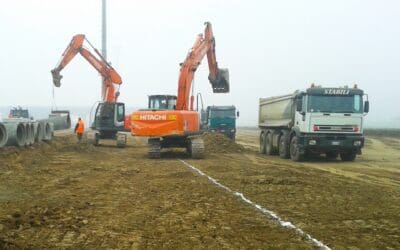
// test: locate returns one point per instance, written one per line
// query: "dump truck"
(313, 122)
(220, 119)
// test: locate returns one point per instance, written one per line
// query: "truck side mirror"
(299, 104)
(366, 106)
(237, 113)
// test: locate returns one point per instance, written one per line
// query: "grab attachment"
(221, 83)
(56, 77)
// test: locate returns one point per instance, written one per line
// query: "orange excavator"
(109, 121)
(170, 121)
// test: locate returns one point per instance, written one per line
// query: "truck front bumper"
(323, 143)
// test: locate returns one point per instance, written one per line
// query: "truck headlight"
(357, 143)
(312, 142)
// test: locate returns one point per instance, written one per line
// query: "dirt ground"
(68, 195)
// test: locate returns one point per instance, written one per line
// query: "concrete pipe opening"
(21, 134)
(3, 135)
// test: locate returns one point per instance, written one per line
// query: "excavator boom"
(109, 74)
(219, 78)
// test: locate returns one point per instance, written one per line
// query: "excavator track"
(154, 145)
(196, 148)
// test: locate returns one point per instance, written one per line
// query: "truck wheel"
(269, 148)
(283, 147)
(331, 155)
(348, 156)
(262, 143)
(295, 153)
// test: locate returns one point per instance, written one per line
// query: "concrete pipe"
(3, 135)
(60, 122)
(30, 139)
(39, 132)
(16, 134)
(33, 133)
(48, 131)
(28, 134)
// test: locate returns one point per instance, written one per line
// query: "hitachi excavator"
(171, 121)
(109, 119)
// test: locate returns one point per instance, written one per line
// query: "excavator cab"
(109, 117)
(221, 83)
(157, 102)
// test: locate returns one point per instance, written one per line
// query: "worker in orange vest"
(79, 129)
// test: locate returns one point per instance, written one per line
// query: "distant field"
(383, 132)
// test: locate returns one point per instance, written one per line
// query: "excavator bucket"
(56, 77)
(221, 83)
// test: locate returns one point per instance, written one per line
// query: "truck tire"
(269, 147)
(295, 153)
(262, 143)
(283, 147)
(350, 156)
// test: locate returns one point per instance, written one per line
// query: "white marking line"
(263, 210)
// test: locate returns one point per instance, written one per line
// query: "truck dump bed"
(275, 112)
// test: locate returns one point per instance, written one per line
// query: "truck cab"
(315, 121)
(221, 119)
(331, 120)
(19, 112)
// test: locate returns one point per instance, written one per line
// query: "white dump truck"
(316, 121)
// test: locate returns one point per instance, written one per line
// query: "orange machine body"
(160, 123)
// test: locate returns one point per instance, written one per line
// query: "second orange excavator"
(109, 120)
(171, 121)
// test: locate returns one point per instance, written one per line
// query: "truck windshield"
(222, 113)
(335, 104)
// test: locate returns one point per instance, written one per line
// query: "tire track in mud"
(272, 215)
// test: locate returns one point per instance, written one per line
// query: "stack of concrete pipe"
(24, 132)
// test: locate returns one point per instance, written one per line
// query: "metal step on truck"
(313, 122)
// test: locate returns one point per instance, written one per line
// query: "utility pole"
(103, 40)
(104, 30)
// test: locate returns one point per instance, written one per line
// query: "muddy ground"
(68, 195)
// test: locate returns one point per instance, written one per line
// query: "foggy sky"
(270, 47)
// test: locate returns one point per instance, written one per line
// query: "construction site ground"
(68, 195)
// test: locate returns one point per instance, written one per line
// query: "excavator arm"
(219, 78)
(109, 74)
